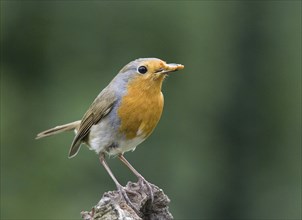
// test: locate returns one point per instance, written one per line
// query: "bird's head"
(147, 72)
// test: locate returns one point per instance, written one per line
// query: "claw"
(120, 188)
(123, 194)
(142, 181)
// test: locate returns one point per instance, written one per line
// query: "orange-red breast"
(123, 115)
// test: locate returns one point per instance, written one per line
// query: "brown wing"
(101, 106)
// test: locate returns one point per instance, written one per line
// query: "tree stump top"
(112, 206)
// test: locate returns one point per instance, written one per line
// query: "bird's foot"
(142, 182)
(123, 193)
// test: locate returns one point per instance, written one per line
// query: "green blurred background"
(228, 145)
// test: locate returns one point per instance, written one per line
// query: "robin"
(123, 115)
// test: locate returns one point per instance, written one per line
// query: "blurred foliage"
(229, 142)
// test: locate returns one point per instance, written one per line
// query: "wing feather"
(101, 107)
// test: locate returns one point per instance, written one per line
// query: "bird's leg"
(141, 179)
(120, 188)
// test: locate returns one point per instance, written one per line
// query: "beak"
(170, 67)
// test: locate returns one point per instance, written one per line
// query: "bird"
(122, 116)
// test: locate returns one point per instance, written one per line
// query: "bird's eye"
(142, 69)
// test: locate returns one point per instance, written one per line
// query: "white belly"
(126, 145)
(103, 135)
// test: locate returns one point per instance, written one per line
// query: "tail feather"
(58, 129)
